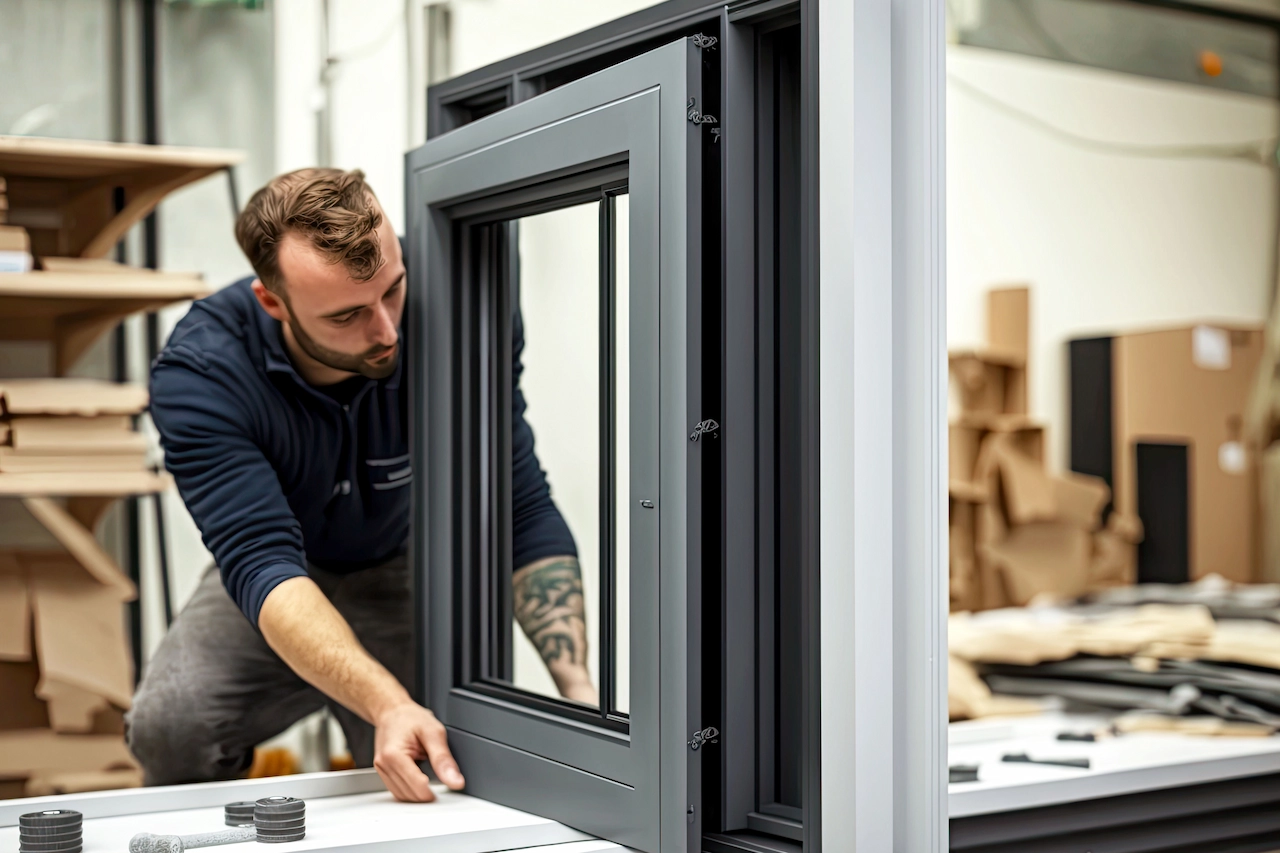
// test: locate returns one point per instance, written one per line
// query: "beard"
(359, 363)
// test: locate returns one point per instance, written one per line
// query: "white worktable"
(1128, 764)
(369, 820)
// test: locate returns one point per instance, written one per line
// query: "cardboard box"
(65, 665)
(1159, 416)
(1009, 321)
(992, 381)
(965, 440)
(989, 383)
(24, 752)
(1029, 491)
(14, 239)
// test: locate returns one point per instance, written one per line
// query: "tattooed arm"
(548, 605)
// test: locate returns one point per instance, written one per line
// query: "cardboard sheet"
(1167, 391)
(1029, 492)
(94, 654)
(1043, 558)
(1115, 561)
(15, 611)
(71, 709)
(81, 545)
(1009, 321)
(19, 706)
(1080, 499)
(45, 784)
(27, 751)
(85, 397)
(962, 556)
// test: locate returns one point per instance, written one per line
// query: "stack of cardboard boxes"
(66, 673)
(69, 449)
(1159, 415)
(1263, 433)
(1016, 532)
(70, 426)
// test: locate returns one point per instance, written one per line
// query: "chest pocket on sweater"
(388, 474)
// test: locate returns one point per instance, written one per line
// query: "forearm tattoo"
(548, 605)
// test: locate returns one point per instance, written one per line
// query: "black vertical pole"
(150, 39)
(120, 352)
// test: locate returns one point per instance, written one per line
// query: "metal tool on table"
(274, 820)
(1023, 758)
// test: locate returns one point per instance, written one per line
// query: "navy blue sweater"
(277, 473)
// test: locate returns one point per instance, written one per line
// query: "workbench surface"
(370, 822)
(1127, 764)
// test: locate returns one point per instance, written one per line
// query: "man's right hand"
(305, 629)
(406, 734)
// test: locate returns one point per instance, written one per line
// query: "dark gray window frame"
(730, 790)
(588, 776)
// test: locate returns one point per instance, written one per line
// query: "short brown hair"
(335, 210)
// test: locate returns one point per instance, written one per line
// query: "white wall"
(1108, 242)
(486, 31)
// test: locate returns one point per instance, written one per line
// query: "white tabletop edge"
(167, 798)
(1093, 786)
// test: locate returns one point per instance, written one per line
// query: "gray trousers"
(214, 689)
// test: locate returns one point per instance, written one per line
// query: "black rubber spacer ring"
(51, 818)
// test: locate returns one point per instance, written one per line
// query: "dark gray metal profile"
(635, 787)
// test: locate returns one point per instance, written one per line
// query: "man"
(282, 410)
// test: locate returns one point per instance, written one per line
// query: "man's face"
(348, 325)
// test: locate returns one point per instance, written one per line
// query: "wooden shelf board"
(39, 157)
(140, 284)
(79, 198)
(74, 309)
(77, 484)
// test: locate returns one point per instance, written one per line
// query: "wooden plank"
(106, 483)
(72, 158)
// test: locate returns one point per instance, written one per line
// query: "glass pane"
(555, 652)
(622, 475)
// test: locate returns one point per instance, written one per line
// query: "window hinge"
(703, 736)
(696, 117)
(705, 42)
(707, 426)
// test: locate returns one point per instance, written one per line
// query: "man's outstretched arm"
(548, 604)
(311, 636)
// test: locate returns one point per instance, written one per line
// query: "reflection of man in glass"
(284, 419)
(547, 592)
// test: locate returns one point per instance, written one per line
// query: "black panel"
(1239, 815)
(1161, 475)
(1091, 409)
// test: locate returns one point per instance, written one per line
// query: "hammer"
(145, 842)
